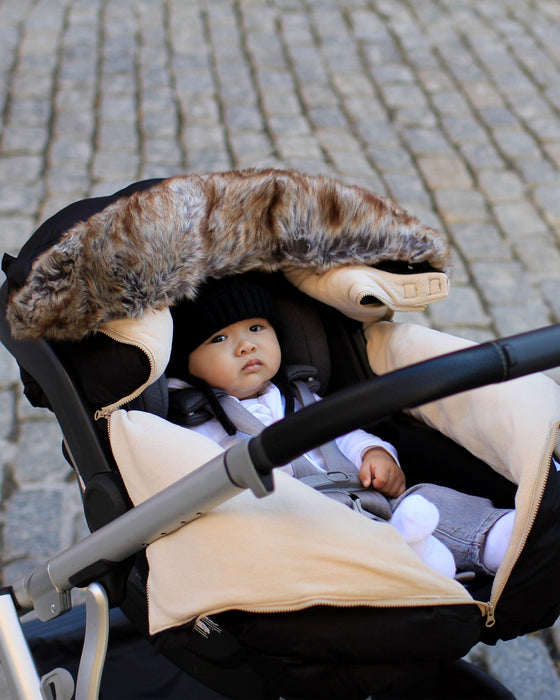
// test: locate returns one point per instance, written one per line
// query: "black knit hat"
(218, 304)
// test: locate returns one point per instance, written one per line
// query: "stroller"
(179, 547)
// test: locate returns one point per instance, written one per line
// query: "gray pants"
(464, 520)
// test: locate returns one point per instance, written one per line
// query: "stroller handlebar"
(489, 363)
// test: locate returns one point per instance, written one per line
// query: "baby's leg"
(477, 533)
(415, 519)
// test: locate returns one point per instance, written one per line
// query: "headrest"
(304, 340)
(127, 355)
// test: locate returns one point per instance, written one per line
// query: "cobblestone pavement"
(450, 106)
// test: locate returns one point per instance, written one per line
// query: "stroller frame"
(245, 466)
(47, 588)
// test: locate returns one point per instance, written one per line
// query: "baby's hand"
(381, 471)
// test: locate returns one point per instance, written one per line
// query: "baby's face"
(240, 359)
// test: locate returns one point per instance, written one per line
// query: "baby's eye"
(256, 327)
(218, 338)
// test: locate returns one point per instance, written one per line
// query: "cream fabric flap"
(152, 333)
(512, 426)
(345, 288)
(153, 453)
(505, 424)
(287, 551)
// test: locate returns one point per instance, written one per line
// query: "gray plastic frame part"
(47, 588)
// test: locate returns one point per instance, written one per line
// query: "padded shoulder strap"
(340, 481)
(331, 453)
(243, 419)
(249, 424)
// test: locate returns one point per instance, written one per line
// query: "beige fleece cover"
(287, 551)
(512, 426)
(296, 547)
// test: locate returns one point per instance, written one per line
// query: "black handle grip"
(470, 368)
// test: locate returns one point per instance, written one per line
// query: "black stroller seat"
(221, 651)
(406, 649)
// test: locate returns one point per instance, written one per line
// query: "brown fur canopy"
(156, 246)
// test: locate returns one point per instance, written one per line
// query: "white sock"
(497, 541)
(436, 555)
(415, 518)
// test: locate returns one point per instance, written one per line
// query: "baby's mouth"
(251, 365)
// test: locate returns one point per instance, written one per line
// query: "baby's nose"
(246, 346)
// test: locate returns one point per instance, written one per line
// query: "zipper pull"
(490, 617)
(102, 413)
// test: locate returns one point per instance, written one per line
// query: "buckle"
(337, 477)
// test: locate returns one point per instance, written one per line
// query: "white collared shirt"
(269, 407)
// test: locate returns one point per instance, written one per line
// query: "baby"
(225, 343)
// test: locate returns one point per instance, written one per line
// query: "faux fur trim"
(154, 247)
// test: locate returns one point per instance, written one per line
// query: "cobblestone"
(452, 107)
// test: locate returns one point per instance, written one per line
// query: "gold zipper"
(106, 411)
(537, 500)
(490, 615)
(397, 603)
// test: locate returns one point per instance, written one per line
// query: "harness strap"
(330, 451)
(340, 482)
(249, 424)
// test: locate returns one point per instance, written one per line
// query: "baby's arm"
(380, 471)
(376, 460)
